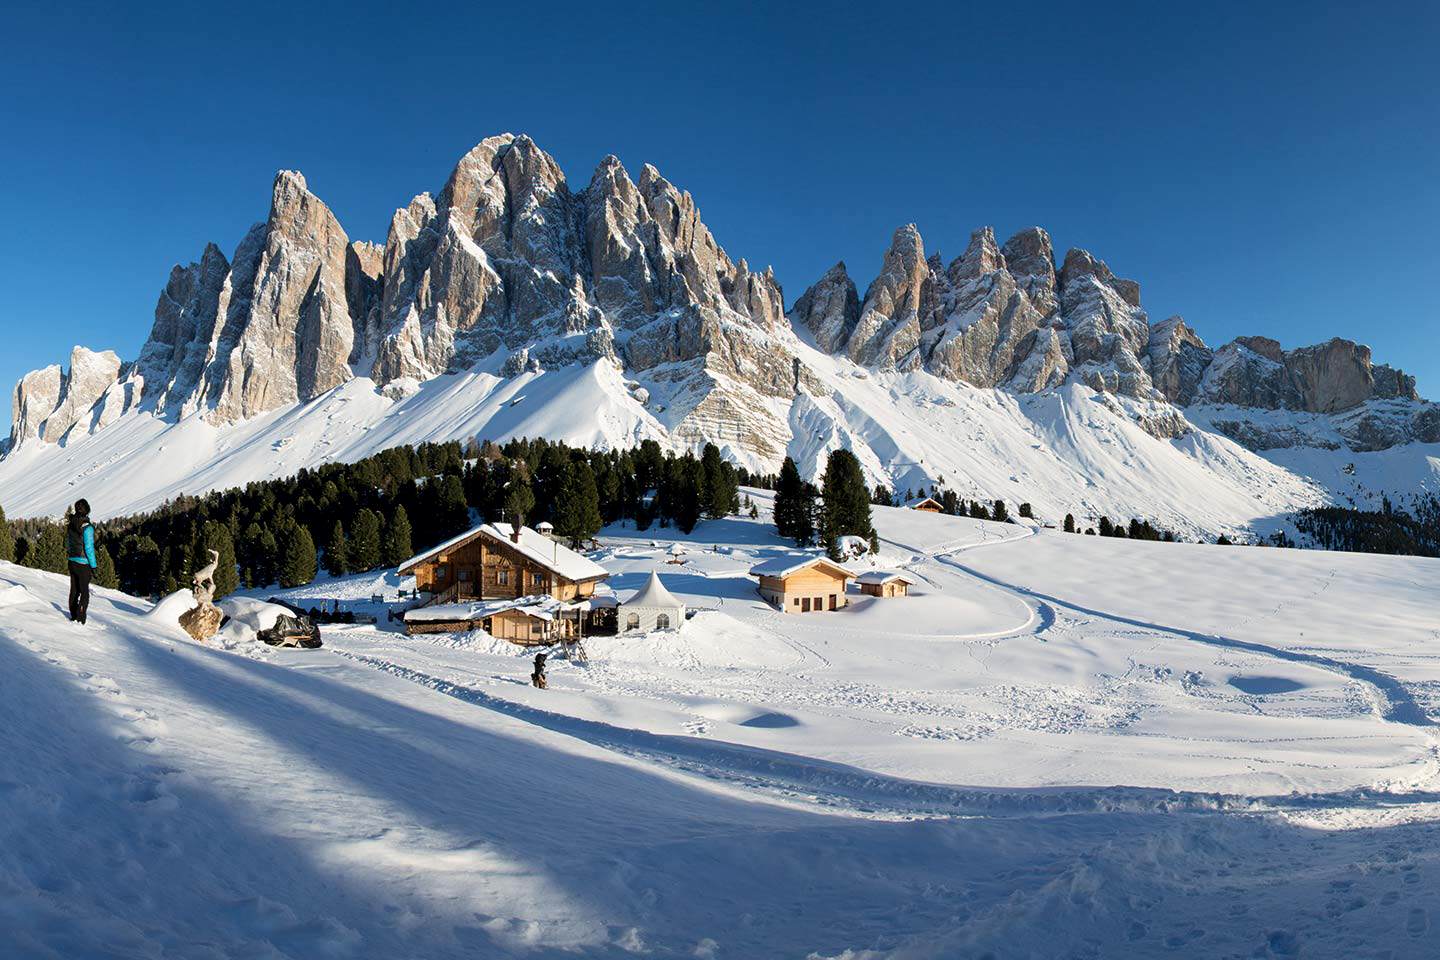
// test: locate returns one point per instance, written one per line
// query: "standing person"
(80, 548)
(538, 677)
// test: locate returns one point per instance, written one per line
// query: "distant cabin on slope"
(926, 505)
(803, 584)
(884, 583)
(651, 608)
(540, 591)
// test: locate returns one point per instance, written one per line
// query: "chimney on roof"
(515, 531)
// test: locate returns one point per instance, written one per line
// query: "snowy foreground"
(1060, 746)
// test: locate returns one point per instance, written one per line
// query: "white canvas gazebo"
(651, 608)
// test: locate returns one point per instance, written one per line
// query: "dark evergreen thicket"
(350, 518)
(1391, 529)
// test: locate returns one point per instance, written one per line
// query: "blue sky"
(1257, 170)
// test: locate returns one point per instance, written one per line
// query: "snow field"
(1060, 746)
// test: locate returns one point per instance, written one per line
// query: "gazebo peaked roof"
(534, 546)
(654, 594)
(784, 566)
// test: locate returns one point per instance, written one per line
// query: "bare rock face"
(982, 316)
(296, 332)
(90, 375)
(829, 309)
(36, 396)
(1108, 329)
(1178, 360)
(888, 330)
(1332, 376)
(202, 622)
(49, 403)
(182, 339)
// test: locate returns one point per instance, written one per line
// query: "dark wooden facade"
(487, 567)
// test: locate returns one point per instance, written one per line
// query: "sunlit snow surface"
(1065, 451)
(1059, 746)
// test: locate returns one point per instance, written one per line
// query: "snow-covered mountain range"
(510, 304)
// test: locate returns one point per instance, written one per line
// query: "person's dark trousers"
(80, 574)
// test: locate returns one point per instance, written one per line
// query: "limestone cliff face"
(1005, 316)
(506, 265)
(48, 403)
(509, 269)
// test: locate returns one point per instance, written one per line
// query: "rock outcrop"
(1004, 316)
(48, 403)
(509, 270)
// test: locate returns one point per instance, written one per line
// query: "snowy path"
(876, 783)
(1393, 699)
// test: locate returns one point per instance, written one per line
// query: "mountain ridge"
(509, 271)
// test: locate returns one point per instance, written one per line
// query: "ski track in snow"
(389, 796)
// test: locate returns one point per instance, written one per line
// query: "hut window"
(441, 571)
(502, 577)
(662, 622)
(632, 622)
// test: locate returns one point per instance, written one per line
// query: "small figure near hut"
(538, 678)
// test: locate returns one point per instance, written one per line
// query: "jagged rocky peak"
(49, 402)
(1329, 377)
(509, 257)
(1178, 359)
(888, 330)
(1030, 258)
(829, 309)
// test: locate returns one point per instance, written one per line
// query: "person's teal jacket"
(88, 539)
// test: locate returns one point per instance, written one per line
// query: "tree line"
(375, 513)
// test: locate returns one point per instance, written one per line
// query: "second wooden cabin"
(803, 584)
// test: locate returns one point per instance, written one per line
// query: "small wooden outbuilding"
(884, 583)
(926, 505)
(803, 584)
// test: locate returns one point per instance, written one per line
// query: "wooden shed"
(926, 505)
(884, 583)
(803, 584)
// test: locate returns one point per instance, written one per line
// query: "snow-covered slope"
(1069, 450)
(512, 302)
(1208, 752)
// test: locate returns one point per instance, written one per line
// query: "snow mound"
(12, 595)
(247, 617)
(170, 607)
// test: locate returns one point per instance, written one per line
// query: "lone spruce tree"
(789, 502)
(577, 504)
(337, 552)
(397, 546)
(845, 500)
(105, 575)
(297, 558)
(7, 539)
(365, 541)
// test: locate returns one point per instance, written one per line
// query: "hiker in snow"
(538, 677)
(80, 548)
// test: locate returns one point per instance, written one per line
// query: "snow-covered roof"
(884, 576)
(654, 594)
(919, 501)
(784, 566)
(533, 545)
(537, 605)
